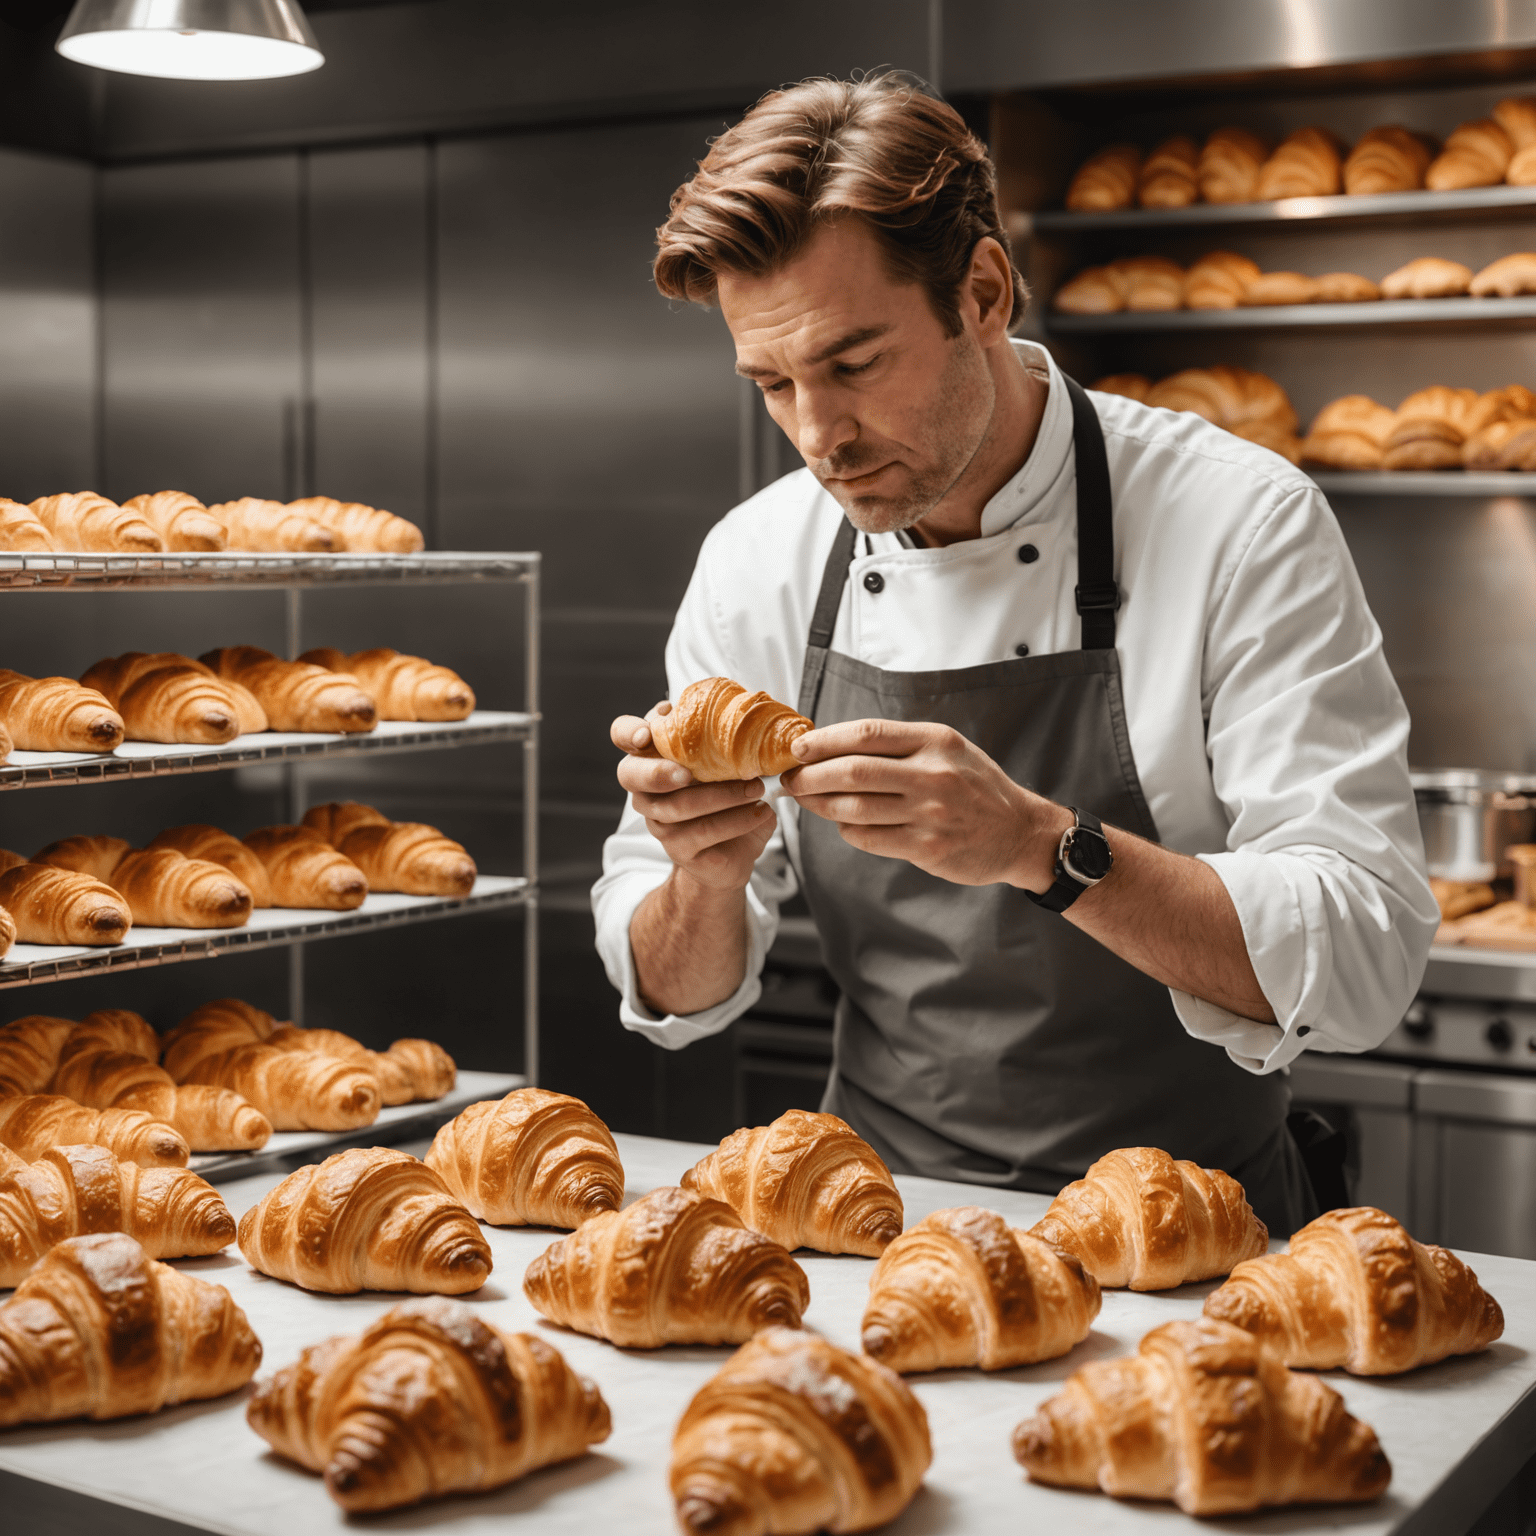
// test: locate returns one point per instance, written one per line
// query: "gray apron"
(979, 1037)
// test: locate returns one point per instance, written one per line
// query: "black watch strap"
(1067, 888)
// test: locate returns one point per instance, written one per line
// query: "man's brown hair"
(879, 148)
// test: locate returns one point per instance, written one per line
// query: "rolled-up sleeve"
(1307, 739)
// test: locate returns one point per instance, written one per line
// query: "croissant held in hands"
(717, 730)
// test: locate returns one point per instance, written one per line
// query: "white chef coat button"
(1028, 554)
(1021, 650)
(874, 582)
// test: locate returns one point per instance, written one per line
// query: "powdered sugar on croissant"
(717, 730)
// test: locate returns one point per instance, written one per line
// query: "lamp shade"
(192, 39)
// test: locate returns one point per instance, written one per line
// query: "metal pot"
(1470, 816)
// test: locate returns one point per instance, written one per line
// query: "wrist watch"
(1083, 858)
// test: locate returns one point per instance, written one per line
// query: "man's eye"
(852, 368)
(775, 387)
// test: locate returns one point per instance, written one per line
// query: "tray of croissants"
(781, 1430)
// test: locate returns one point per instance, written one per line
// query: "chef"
(1106, 816)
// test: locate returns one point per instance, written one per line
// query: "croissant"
(295, 695)
(430, 1400)
(410, 1071)
(807, 1181)
(7, 932)
(1507, 277)
(362, 527)
(115, 1029)
(1427, 277)
(1476, 155)
(97, 856)
(1106, 180)
(1138, 1219)
(1229, 166)
(303, 871)
(1094, 291)
(404, 856)
(212, 846)
(534, 1158)
(1508, 444)
(1246, 403)
(181, 520)
(1344, 288)
(794, 1435)
(29, 1052)
(1387, 159)
(20, 530)
(717, 730)
(1203, 1417)
(70, 1191)
(166, 889)
(1167, 178)
(1355, 1290)
(252, 523)
(673, 1268)
(1458, 898)
(1516, 115)
(295, 1091)
(55, 714)
(1218, 280)
(1430, 429)
(160, 703)
(58, 906)
(33, 1122)
(402, 687)
(1348, 433)
(367, 1219)
(86, 521)
(1521, 171)
(211, 1028)
(1306, 164)
(962, 1288)
(1512, 403)
(1280, 288)
(1152, 283)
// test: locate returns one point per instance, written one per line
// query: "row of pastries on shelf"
(1235, 165)
(1233, 1421)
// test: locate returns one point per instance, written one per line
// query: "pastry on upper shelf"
(1387, 159)
(533, 1158)
(1477, 154)
(1093, 291)
(20, 530)
(85, 521)
(367, 1219)
(1427, 277)
(181, 520)
(1167, 178)
(1430, 429)
(57, 714)
(100, 1330)
(1280, 288)
(1134, 386)
(31, 1123)
(963, 1288)
(717, 730)
(402, 687)
(1344, 288)
(70, 1191)
(1218, 280)
(1106, 180)
(1306, 164)
(215, 846)
(303, 870)
(430, 1400)
(1203, 1417)
(1135, 283)
(1516, 115)
(58, 906)
(807, 1181)
(1355, 1290)
(1348, 433)
(163, 888)
(29, 1051)
(673, 1268)
(255, 524)
(295, 695)
(1507, 277)
(362, 527)
(406, 856)
(170, 698)
(793, 1435)
(1229, 166)
(1250, 405)
(1142, 1220)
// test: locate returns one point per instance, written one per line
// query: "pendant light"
(192, 39)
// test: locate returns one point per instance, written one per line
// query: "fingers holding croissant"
(717, 730)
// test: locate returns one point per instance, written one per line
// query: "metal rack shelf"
(1457, 970)
(1397, 314)
(1442, 483)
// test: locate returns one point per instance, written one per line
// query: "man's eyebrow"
(843, 344)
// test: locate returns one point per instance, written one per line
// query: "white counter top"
(1455, 1432)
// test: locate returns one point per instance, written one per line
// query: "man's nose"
(824, 424)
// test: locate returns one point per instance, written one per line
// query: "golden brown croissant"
(1229, 166)
(1507, 444)
(406, 856)
(99, 1330)
(304, 871)
(211, 1028)
(1307, 164)
(430, 1400)
(1477, 154)
(1248, 404)
(1516, 115)
(1430, 429)
(58, 906)
(962, 1288)
(367, 1219)
(134, 682)
(295, 695)
(20, 530)
(1507, 277)
(33, 1122)
(70, 1191)
(7, 932)
(1094, 291)
(166, 889)
(807, 1181)
(1280, 288)
(1152, 283)
(213, 846)
(94, 855)
(252, 523)
(717, 730)
(1132, 386)
(1521, 171)
(56, 714)
(1167, 178)
(85, 521)
(1355, 1290)
(296, 1091)
(1345, 288)
(1203, 1417)
(1427, 277)
(362, 527)
(402, 687)
(116, 1029)
(534, 1158)
(1138, 1219)
(1387, 159)
(181, 520)
(29, 1052)
(1106, 180)
(673, 1268)
(1349, 433)
(794, 1435)
(1512, 403)
(1218, 281)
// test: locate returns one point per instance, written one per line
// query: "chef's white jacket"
(1268, 732)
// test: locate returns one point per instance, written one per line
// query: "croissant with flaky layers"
(159, 701)
(30, 1123)
(403, 687)
(57, 714)
(406, 856)
(29, 1052)
(60, 906)
(717, 730)
(85, 521)
(295, 695)
(181, 520)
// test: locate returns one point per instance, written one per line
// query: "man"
(1106, 817)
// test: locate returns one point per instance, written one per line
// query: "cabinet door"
(1484, 1178)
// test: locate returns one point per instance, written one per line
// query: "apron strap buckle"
(1097, 598)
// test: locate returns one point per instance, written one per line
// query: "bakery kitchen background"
(351, 472)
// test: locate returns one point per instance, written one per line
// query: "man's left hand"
(922, 792)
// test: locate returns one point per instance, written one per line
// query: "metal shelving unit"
(1442, 483)
(1395, 314)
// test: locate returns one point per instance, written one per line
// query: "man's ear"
(989, 286)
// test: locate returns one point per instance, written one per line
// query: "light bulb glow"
(185, 54)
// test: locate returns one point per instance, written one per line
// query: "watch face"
(1088, 856)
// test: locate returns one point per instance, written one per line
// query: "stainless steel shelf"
(229, 569)
(1457, 970)
(28, 964)
(1385, 207)
(153, 760)
(1424, 483)
(1466, 313)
